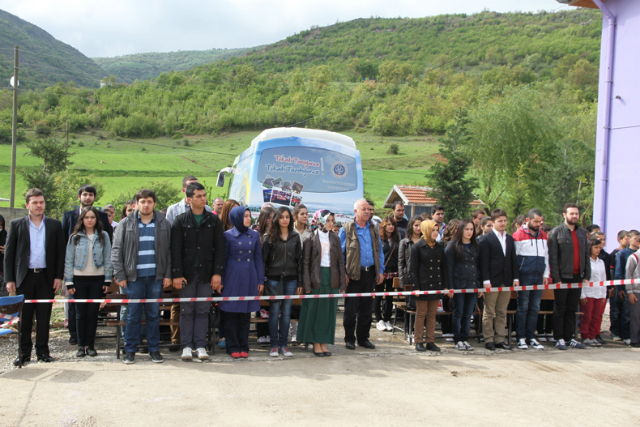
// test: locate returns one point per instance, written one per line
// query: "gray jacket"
(124, 253)
(633, 272)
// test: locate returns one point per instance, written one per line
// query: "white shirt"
(325, 259)
(37, 257)
(598, 274)
(503, 240)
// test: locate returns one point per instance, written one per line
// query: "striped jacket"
(532, 252)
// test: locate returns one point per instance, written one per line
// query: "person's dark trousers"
(446, 322)
(616, 305)
(36, 286)
(545, 321)
(236, 327)
(143, 287)
(528, 308)
(564, 311)
(477, 318)
(463, 305)
(357, 311)
(87, 313)
(385, 286)
(194, 316)
(72, 313)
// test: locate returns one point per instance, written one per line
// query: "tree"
(54, 154)
(452, 185)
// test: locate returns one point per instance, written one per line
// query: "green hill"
(144, 66)
(43, 59)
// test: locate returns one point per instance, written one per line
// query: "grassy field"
(123, 165)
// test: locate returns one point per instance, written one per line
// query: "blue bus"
(289, 166)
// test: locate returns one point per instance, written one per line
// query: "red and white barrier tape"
(12, 320)
(337, 295)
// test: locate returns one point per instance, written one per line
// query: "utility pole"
(14, 128)
(67, 147)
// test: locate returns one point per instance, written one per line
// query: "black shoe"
(633, 344)
(45, 358)
(320, 354)
(174, 347)
(327, 353)
(490, 346)
(504, 345)
(156, 357)
(91, 352)
(600, 340)
(432, 347)
(143, 350)
(420, 347)
(129, 358)
(80, 352)
(73, 341)
(350, 345)
(25, 359)
(367, 344)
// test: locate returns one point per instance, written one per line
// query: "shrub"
(393, 149)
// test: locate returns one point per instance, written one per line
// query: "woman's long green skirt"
(318, 316)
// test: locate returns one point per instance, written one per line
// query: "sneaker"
(264, 314)
(535, 344)
(615, 338)
(388, 326)
(542, 339)
(575, 344)
(560, 344)
(202, 354)
(285, 352)
(129, 358)
(187, 353)
(222, 343)
(447, 335)
(522, 344)
(599, 339)
(460, 346)
(262, 340)
(449, 339)
(156, 357)
(381, 326)
(588, 342)
(595, 342)
(244, 354)
(552, 339)
(274, 352)
(235, 355)
(467, 346)
(627, 341)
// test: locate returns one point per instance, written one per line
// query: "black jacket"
(190, 242)
(3, 240)
(70, 219)
(428, 269)
(561, 253)
(606, 258)
(499, 269)
(390, 252)
(18, 250)
(462, 273)
(283, 259)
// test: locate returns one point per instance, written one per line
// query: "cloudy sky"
(120, 27)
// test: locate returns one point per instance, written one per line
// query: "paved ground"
(392, 385)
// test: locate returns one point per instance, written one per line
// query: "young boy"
(621, 265)
(615, 303)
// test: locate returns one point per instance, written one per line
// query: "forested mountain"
(143, 66)
(43, 59)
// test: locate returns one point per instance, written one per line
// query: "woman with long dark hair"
(128, 207)
(463, 263)
(87, 274)
(228, 205)
(282, 257)
(243, 276)
(263, 224)
(411, 237)
(428, 273)
(390, 248)
(300, 220)
(323, 273)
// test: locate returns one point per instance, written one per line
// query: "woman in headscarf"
(243, 276)
(323, 272)
(428, 270)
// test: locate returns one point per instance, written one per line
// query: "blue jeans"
(620, 316)
(463, 305)
(143, 287)
(528, 308)
(280, 340)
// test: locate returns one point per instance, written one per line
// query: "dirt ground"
(392, 385)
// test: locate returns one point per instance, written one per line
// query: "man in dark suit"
(86, 195)
(498, 268)
(34, 267)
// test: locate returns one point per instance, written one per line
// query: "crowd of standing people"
(195, 250)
